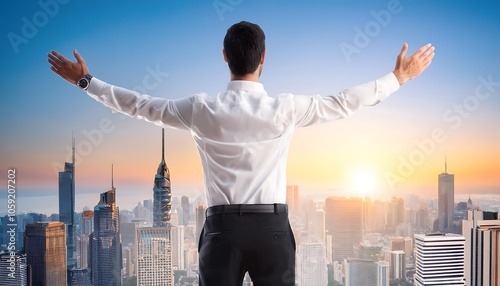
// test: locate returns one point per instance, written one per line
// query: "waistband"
(246, 208)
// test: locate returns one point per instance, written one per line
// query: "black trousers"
(260, 243)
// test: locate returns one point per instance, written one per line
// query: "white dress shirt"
(243, 134)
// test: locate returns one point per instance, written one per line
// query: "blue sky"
(175, 48)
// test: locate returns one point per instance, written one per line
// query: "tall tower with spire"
(67, 206)
(446, 199)
(154, 244)
(105, 241)
(162, 195)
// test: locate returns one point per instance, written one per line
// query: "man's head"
(244, 48)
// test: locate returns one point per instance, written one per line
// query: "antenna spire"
(112, 183)
(73, 146)
(445, 165)
(163, 144)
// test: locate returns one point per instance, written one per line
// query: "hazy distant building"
(311, 264)
(67, 207)
(294, 200)
(396, 213)
(439, 259)
(446, 200)
(177, 236)
(185, 210)
(105, 242)
(200, 220)
(13, 270)
(343, 221)
(360, 272)
(45, 247)
(482, 248)
(82, 241)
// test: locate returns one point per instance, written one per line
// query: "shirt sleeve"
(317, 109)
(160, 111)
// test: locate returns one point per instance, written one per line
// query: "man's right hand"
(68, 70)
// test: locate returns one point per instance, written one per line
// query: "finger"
(54, 63)
(59, 56)
(422, 50)
(79, 58)
(403, 51)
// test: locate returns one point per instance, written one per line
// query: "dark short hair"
(244, 43)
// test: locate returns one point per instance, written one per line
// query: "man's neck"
(248, 77)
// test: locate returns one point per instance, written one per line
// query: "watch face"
(83, 83)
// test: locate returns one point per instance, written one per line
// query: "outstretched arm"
(68, 70)
(409, 68)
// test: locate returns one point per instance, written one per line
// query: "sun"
(363, 183)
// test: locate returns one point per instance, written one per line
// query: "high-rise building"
(162, 195)
(383, 278)
(154, 257)
(396, 213)
(79, 277)
(154, 244)
(105, 242)
(13, 269)
(311, 264)
(446, 200)
(45, 247)
(359, 272)
(343, 221)
(482, 248)
(200, 220)
(185, 210)
(178, 247)
(67, 207)
(439, 259)
(82, 241)
(397, 265)
(294, 200)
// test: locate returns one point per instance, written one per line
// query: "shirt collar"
(245, 85)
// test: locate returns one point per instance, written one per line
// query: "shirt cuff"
(387, 85)
(95, 87)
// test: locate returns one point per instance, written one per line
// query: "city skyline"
(161, 50)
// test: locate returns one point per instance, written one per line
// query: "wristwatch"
(84, 82)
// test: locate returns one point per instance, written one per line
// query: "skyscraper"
(178, 247)
(67, 206)
(311, 264)
(13, 269)
(154, 244)
(200, 220)
(482, 248)
(397, 265)
(439, 259)
(105, 242)
(82, 242)
(185, 210)
(446, 199)
(360, 272)
(45, 247)
(294, 200)
(162, 195)
(343, 220)
(154, 257)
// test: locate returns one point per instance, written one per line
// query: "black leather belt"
(242, 209)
